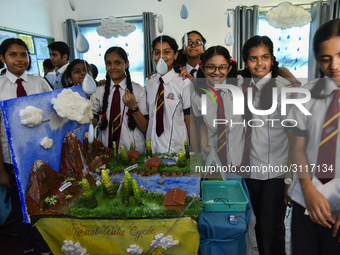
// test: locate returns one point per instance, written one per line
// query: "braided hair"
(104, 122)
(266, 98)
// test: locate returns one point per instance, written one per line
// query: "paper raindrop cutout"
(160, 24)
(229, 20)
(82, 45)
(73, 5)
(229, 40)
(89, 85)
(184, 12)
(161, 67)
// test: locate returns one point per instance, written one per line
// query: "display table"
(104, 237)
(219, 236)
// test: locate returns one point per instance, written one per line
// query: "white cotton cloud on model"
(71, 105)
(30, 116)
(166, 242)
(134, 249)
(70, 248)
(113, 27)
(46, 143)
(287, 15)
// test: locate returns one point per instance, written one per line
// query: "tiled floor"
(251, 239)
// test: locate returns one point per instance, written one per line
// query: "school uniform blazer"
(176, 100)
(234, 128)
(33, 84)
(311, 127)
(269, 142)
(127, 135)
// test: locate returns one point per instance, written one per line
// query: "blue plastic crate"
(223, 196)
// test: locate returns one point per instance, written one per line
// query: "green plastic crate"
(223, 196)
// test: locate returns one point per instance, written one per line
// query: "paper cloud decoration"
(287, 15)
(113, 27)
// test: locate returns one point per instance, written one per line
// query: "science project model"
(62, 170)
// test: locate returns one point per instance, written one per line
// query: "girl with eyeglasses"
(227, 141)
(189, 56)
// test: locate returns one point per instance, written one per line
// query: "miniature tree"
(89, 197)
(132, 146)
(148, 148)
(182, 160)
(125, 192)
(136, 193)
(114, 147)
(124, 156)
(186, 146)
(128, 178)
(108, 184)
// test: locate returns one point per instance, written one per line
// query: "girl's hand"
(186, 74)
(149, 75)
(129, 99)
(288, 200)
(102, 82)
(318, 207)
(4, 180)
(336, 226)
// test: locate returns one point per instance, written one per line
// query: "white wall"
(46, 17)
(33, 16)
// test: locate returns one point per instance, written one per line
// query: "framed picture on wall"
(41, 48)
(5, 35)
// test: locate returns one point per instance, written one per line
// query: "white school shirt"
(235, 132)
(176, 100)
(269, 143)
(59, 74)
(33, 84)
(127, 135)
(188, 68)
(311, 128)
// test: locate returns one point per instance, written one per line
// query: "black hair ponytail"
(104, 121)
(131, 121)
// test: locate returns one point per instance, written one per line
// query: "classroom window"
(291, 46)
(133, 44)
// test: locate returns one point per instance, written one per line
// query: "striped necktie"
(221, 134)
(193, 71)
(328, 142)
(247, 141)
(20, 89)
(160, 108)
(115, 118)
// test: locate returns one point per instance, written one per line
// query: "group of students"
(163, 111)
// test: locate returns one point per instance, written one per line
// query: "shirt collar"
(189, 67)
(330, 85)
(62, 69)
(122, 84)
(14, 78)
(260, 84)
(168, 76)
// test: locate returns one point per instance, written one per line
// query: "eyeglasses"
(221, 69)
(196, 43)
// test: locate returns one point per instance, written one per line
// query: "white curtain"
(245, 27)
